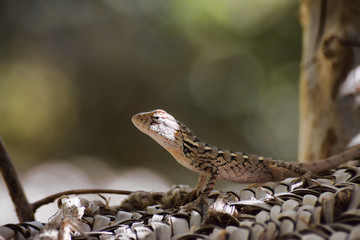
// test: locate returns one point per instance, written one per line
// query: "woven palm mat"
(325, 208)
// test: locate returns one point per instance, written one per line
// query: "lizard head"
(168, 132)
(160, 126)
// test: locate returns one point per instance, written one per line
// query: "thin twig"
(51, 198)
(22, 205)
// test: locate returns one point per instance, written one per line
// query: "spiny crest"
(185, 131)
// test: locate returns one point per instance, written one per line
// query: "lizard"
(214, 163)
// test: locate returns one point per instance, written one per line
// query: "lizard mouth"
(139, 121)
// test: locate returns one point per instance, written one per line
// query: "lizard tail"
(334, 161)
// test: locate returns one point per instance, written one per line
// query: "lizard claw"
(195, 205)
(190, 197)
(307, 180)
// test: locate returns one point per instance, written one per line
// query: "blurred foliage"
(72, 73)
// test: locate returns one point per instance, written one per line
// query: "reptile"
(214, 163)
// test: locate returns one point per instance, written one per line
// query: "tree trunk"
(330, 78)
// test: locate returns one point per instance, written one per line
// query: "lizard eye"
(155, 118)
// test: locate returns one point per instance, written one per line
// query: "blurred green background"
(72, 73)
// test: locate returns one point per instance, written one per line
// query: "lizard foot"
(307, 180)
(195, 205)
(190, 197)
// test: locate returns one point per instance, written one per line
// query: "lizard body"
(216, 163)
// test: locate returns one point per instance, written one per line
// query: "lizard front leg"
(205, 193)
(201, 182)
(209, 186)
(193, 194)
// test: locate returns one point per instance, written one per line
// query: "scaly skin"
(216, 163)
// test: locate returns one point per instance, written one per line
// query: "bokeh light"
(72, 73)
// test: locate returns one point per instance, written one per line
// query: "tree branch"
(51, 198)
(22, 206)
